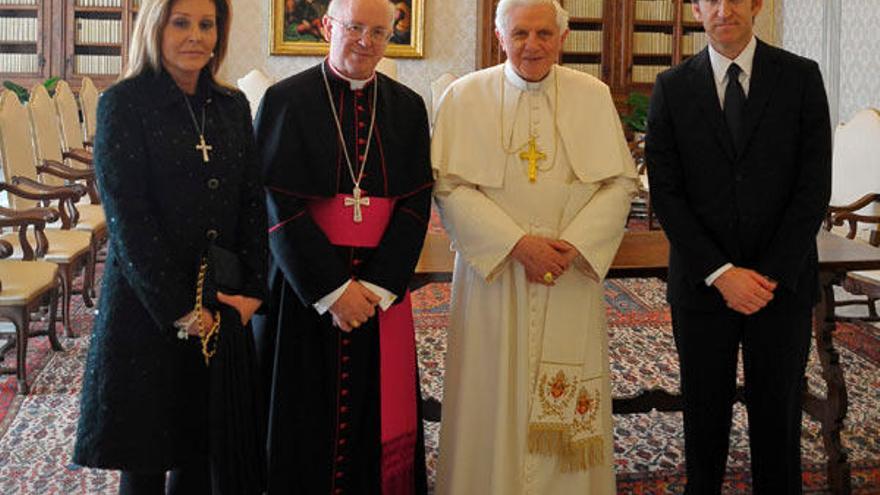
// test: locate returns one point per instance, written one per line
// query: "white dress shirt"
(720, 64)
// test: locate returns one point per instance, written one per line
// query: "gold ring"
(354, 323)
(548, 277)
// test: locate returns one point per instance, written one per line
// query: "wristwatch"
(185, 323)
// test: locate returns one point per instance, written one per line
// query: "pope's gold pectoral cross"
(357, 201)
(532, 155)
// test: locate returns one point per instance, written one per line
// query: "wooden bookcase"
(75, 38)
(25, 50)
(623, 42)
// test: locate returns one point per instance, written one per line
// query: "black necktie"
(734, 103)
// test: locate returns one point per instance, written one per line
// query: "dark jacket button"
(213, 183)
(211, 234)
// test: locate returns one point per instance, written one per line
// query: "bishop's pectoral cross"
(357, 201)
(532, 155)
(204, 148)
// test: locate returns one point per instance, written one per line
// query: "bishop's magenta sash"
(397, 366)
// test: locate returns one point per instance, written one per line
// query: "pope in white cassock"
(534, 183)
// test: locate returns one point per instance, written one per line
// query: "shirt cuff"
(323, 304)
(717, 273)
(387, 296)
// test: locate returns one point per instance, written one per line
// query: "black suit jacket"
(759, 206)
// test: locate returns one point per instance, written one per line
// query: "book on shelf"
(18, 29)
(687, 13)
(584, 8)
(19, 62)
(98, 64)
(651, 43)
(646, 73)
(17, 2)
(99, 3)
(692, 42)
(98, 31)
(594, 70)
(654, 10)
(583, 41)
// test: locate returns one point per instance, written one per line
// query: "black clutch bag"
(224, 269)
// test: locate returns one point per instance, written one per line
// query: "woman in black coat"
(178, 174)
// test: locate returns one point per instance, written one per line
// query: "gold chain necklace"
(532, 154)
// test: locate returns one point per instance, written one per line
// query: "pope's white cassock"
(527, 398)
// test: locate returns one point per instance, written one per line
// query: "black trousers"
(195, 480)
(775, 344)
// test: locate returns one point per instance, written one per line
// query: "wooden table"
(646, 254)
(837, 256)
(641, 254)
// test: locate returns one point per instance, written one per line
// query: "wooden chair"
(69, 248)
(254, 85)
(438, 89)
(47, 130)
(642, 203)
(88, 102)
(863, 283)
(855, 171)
(25, 286)
(71, 127)
(53, 171)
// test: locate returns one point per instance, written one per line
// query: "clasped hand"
(745, 291)
(355, 306)
(246, 307)
(541, 255)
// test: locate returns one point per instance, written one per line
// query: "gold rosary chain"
(209, 336)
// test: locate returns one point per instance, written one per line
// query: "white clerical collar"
(521, 83)
(355, 84)
(744, 60)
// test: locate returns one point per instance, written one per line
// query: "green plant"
(19, 90)
(637, 119)
(22, 92)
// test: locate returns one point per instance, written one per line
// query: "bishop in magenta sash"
(349, 193)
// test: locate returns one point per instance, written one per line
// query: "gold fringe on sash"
(573, 456)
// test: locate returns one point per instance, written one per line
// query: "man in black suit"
(739, 162)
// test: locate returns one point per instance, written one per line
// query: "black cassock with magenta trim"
(344, 414)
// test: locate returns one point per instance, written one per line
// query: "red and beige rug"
(37, 431)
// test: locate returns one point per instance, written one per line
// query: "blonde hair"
(145, 50)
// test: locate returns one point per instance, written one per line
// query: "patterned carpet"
(36, 432)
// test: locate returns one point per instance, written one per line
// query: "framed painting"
(296, 28)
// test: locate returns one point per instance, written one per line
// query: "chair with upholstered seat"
(254, 85)
(864, 283)
(47, 131)
(53, 171)
(70, 248)
(25, 286)
(855, 172)
(71, 130)
(438, 88)
(88, 102)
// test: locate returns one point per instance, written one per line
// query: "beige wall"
(449, 44)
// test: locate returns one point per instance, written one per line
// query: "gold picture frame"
(296, 28)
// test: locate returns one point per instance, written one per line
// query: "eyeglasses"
(355, 31)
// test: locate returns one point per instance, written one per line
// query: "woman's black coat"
(144, 397)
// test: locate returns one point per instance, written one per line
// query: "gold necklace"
(532, 154)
